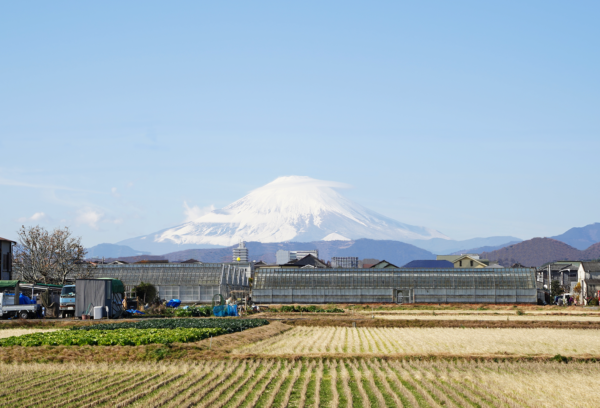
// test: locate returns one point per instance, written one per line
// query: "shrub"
(146, 292)
(196, 311)
(306, 309)
(593, 302)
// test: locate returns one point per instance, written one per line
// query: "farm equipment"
(15, 304)
(67, 301)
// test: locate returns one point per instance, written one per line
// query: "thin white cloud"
(89, 217)
(38, 216)
(114, 192)
(5, 182)
(302, 181)
(195, 212)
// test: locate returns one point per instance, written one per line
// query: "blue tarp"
(232, 310)
(133, 311)
(24, 300)
(173, 303)
(225, 310)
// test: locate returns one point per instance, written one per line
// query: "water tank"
(98, 312)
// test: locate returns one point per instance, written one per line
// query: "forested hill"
(538, 251)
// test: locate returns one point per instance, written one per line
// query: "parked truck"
(67, 301)
(10, 307)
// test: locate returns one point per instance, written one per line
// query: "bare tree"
(48, 257)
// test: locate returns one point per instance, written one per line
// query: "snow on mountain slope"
(290, 208)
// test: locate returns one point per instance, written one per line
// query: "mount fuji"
(295, 208)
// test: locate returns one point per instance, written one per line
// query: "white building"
(344, 262)
(240, 254)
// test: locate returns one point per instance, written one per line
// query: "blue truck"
(67, 301)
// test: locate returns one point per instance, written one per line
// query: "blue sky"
(473, 118)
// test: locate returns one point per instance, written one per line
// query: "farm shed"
(395, 285)
(189, 282)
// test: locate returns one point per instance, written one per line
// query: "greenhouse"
(191, 283)
(395, 285)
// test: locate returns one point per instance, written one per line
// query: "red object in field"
(84, 317)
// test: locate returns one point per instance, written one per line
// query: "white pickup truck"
(9, 309)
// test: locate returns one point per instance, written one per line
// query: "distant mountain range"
(448, 246)
(538, 251)
(112, 251)
(395, 252)
(485, 248)
(581, 237)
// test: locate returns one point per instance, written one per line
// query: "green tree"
(556, 289)
(146, 292)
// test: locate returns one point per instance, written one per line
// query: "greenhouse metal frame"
(395, 285)
(191, 283)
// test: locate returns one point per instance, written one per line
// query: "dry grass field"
(300, 383)
(20, 332)
(401, 358)
(487, 317)
(319, 341)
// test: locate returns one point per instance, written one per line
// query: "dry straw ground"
(300, 383)
(489, 317)
(20, 332)
(320, 341)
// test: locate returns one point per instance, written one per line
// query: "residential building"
(565, 272)
(283, 257)
(240, 254)
(6, 258)
(429, 264)
(368, 262)
(308, 261)
(588, 274)
(465, 260)
(383, 265)
(344, 262)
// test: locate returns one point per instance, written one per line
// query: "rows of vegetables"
(117, 337)
(163, 331)
(305, 309)
(229, 325)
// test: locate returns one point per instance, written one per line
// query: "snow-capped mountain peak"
(289, 208)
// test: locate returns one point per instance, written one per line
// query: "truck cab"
(67, 301)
